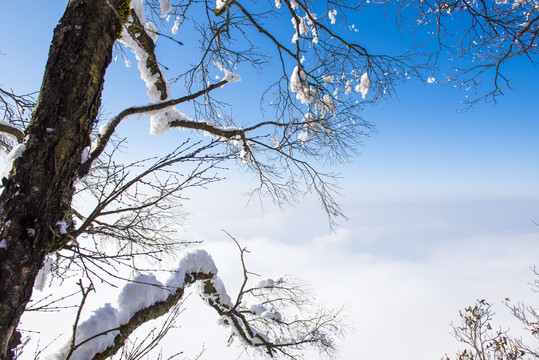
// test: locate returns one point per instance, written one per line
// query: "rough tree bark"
(39, 190)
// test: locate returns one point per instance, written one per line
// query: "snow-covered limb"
(258, 325)
(140, 301)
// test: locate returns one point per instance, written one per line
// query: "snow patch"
(103, 129)
(272, 314)
(152, 31)
(348, 87)
(3, 244)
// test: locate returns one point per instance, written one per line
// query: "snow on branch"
(140, 37)
(259, 325)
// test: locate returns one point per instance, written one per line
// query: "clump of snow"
(328, 78)
(231, 77)
(220, 4)
(265, 283)
(44, 273)
(165, 7)
(143, 291)
(301, 27)
(3, 244)
(257, 309)
(431, 79)
(332, 16)
(303, 136)
(221, 293)
(228, 75)
(278, 4)
(160, 120)
(299, 85)
(364, 85)
(14, 154)
(308, 117)
(348, 87)
(196, 261)
(199, 261)
(247, 148)
(327, 104)
(176, 26)
(273, 314)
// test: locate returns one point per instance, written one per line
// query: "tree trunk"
(39, 190)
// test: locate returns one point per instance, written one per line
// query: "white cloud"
(404, 272)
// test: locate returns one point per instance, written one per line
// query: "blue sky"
(441, 202)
